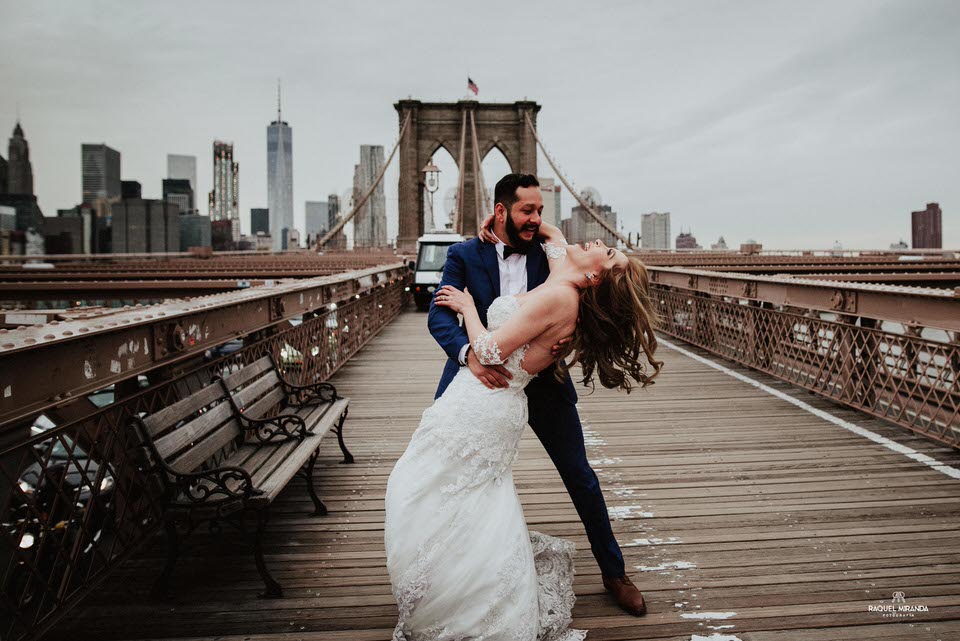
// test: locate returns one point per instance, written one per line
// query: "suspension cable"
(483, 198)
(583, 203)
(460, 184)
(363, 201)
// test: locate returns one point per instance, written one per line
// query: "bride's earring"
(589, 278)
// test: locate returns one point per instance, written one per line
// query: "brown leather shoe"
(626, 593)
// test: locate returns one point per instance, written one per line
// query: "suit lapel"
(488, 254)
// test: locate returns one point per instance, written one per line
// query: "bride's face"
(595, 257)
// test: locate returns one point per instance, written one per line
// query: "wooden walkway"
(743, 517)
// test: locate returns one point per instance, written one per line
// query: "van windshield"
(432, 258)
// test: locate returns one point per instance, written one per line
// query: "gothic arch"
(434, 125)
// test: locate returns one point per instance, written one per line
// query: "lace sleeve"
(554, 250)
(486, 349)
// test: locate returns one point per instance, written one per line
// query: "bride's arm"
(537, 315)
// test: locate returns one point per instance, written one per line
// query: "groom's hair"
(505, 192)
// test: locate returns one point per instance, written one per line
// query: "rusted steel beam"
(47, 364)
(912, 306)
(76, 289)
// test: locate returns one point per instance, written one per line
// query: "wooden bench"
(232, 446)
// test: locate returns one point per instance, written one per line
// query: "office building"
(181, 167)
(224, 198)
(720, 244)
(17, 189)
(317, 216)
(194, 231)
(101, 173)
(145, 226)
(900, 244)
(927, 227)
(686, 240)
(130, 190)
(279, 176)
(221, 235)
(751, 247)
(63, 235)
(179, 192)
(581, 226)
(260, 220)
(550, 191)
(19, 169)
(3, 175)
(655, 230)
(370, 223)
(339, 240)
(290, 240)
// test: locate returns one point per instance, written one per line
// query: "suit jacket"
(473, 265)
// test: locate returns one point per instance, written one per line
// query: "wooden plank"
(723, 497)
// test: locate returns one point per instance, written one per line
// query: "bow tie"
(507, 251)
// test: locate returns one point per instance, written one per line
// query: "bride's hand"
(486, 231)
(448, 296)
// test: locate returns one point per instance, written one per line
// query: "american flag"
(472, 86)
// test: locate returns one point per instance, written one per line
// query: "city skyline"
(843, 129)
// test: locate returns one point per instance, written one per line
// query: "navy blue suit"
(552, 405)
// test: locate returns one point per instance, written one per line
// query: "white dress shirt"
(513, 281)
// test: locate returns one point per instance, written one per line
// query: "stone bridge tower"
(440, 124)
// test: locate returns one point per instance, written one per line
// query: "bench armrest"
(304, 395)
(268, 428)
(218, 484)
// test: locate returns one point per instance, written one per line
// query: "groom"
(513, 266)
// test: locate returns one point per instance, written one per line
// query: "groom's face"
(523, 221)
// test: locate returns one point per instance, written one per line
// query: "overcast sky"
(795, 123)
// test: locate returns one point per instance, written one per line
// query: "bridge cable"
(583, 203)
(461, 178)
(483, 198)
(363, 201)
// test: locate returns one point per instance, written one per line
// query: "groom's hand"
(558, 347)
(493, 376)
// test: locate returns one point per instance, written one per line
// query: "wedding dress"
(462, 563)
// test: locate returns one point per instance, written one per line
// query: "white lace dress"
(462, 563)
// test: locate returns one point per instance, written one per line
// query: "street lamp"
(431, 175)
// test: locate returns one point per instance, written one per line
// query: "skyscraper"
(101, 173)
(339, 240)
(19, 169)
(179, 192)
(183, 168)
(317, 215)
(655, 230)
(279, 176)
(224, 198)
(551, 201)
(17, 190)
(259, 220)
(370, 223)
(927, 227)
(583, 227)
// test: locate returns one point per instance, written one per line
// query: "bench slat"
(256, 389)
(321, 425)
(248, 372)
(173, 414)
(191, 459)
(266, 403)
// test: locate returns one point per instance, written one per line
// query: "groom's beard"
(513, 235)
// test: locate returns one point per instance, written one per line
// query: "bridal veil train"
(462, 563)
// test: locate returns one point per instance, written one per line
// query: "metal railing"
(890, 351)
(73, 502)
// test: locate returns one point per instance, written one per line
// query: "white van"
(431, 255)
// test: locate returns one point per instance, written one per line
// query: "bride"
(462, 563)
